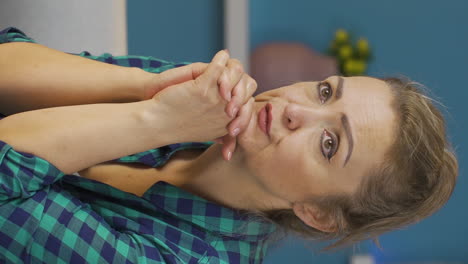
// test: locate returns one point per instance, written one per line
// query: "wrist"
(159, 121)
(138, 82)
(148, 84)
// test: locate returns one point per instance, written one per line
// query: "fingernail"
(235, 132)
(229, 155)
(228, 96)
(234, 111)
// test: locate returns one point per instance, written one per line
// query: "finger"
(198, 69)
(230, 77)
(252, 87)
(229, 147)
(172, 77)
(215, 69)
(241, 93)
(219, 140)
(224, 89)
(238, 98)
(240, 123)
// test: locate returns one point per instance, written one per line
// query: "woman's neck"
(230, 184)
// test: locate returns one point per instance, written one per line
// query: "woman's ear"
(312, 216)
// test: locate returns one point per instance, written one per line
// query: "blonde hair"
(416, 179)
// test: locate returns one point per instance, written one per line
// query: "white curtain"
(236, 30)
(97, 26)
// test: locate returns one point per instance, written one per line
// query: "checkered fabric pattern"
(49, 217)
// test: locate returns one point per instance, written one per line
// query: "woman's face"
(323, 138)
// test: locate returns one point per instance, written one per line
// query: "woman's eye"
(324, 91)
(328, 144)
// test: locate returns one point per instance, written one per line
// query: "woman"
(338, 158)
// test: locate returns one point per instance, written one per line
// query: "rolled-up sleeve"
(22, 174)
(12, 34)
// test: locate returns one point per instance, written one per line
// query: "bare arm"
(34, 77)
(77, 137)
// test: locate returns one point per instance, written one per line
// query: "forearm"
(34, 77)
(77, 137)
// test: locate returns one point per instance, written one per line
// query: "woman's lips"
(264, 119)
(269, 107)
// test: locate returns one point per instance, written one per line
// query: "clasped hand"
(207, 101)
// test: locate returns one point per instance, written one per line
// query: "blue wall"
(175, 30)
(424, 40)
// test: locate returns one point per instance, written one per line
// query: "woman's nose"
(299, 116)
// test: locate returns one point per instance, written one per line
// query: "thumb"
(215, 68)
(175, 76)
(181, 74)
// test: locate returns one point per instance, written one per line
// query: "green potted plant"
(352, 58)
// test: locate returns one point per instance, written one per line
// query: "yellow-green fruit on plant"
(363, 47)
(345, 52)
(341, 36)
(349, 67)
(354, 67)
(360, 67)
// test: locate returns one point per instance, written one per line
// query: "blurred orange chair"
(274, 65)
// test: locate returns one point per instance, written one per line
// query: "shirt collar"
(208, 215)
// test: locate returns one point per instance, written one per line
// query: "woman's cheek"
(286, 157)
(300, 153)
(287, 176)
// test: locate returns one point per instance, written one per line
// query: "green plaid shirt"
(49, 217)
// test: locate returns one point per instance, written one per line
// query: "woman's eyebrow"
(349, 136)
(339, 88)
(344, 120)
